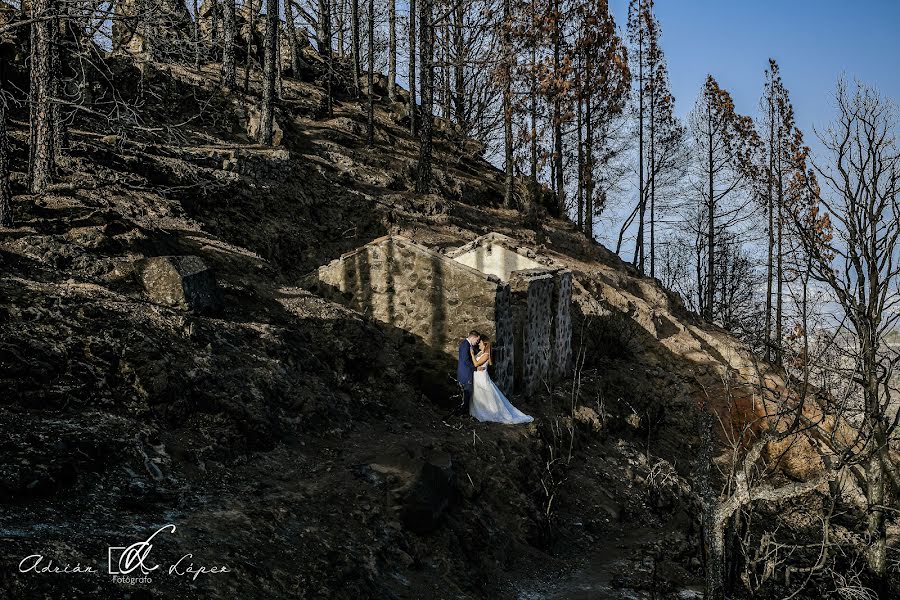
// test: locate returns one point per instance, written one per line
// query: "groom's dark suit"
(465, 372)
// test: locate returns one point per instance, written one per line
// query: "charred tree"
(267, 108)
(426, 82)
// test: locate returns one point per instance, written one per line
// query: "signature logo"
(123, 560)
(127, 564)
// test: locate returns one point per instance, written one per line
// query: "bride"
(488, 402)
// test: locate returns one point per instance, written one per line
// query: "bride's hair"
(487, 348)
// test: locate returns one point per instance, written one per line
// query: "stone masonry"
(492, 285)
(542, 325)
(417, 290)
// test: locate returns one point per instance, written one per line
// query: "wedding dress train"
(489, 403)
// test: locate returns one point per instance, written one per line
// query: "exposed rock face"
(179, 281)
(253, 121)
(152, 29)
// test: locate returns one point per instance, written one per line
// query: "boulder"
(253, 122)
(179, 281)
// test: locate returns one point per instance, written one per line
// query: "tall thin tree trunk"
(57, 58)
(445, 70)
(323, 27)
(711, 225)
(267, 106)
(196, 35)
(508, 188)
(214, 30)
(370, 83)
(557, 114)
(459, 100)
(41, 162)
(392, 50)
(341, 23)
(354, 44)
(251, 31)
(638, 259)
(579, 122)
(6, 214)
(228, 35)
(426, 51)
(771, 212)
(652, 174)
(779, 261)
(588, 158)
(412, 66)
(291, 31)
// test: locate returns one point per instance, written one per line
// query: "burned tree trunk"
(41, 161)
(292, 36)
(228, 68)
(370, 77)
(266, 110)
(426, 79)
(392, 50)
(6, 216)
(412, 67)
(354, 43)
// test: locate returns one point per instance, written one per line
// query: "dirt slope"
(281, 435)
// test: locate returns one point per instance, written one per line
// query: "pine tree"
(782, 160)
(725, 143)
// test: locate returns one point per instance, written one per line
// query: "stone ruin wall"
(496, 259)
(562, 325)
(503, 371)
(533, 292)
(420, 291)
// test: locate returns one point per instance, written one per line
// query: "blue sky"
(814, 41)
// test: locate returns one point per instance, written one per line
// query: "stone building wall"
(495, 259)
(503, 372)
(533, 297)
(414, 289)
(562, 325)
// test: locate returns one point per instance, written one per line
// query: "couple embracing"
(481, 396)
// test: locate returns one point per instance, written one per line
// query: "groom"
(465, 368)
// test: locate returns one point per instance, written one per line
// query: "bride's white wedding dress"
(489, 403)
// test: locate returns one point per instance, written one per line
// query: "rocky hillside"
(281, 434)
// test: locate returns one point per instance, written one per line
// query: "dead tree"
(6, 216)
(854, 252)
(228, 39)
(426, 84)
(270, 45)
(291, 32)
(41, 161)
(354, 44)
(392, 50)
(411, 76)
(370, 78)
